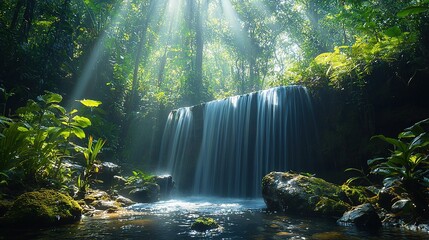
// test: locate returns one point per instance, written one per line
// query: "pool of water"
(239, 219)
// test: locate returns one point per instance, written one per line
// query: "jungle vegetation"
(143, 58)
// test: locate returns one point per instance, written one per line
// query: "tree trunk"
(28, 20)
(143, 30)
(18, 7)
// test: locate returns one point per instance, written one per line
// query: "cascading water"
(239, 140)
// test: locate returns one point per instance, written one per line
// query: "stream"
(172, 219)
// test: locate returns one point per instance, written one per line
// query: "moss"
(355, 195)
(314, 185)
(329, 207)
(5, 205)
(43, 208)
(203, 224)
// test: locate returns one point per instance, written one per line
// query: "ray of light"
(90, 67)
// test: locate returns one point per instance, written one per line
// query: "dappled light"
(229, 119)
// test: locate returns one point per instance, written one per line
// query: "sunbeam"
(90, 67)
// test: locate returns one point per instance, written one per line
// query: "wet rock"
(105, 205)
(386, 198)
(403, 207)
(149, 192)
(107, 171)
(302, 194)
(203, 224)
(166, 184)
(43, 208)
(124, 202)
(119, 182)
(363, 216)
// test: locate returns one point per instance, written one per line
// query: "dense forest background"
(364, 62)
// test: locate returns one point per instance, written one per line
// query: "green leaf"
(82, 122)
(393, 31)
(51, 98)
(397, 143)
(375, 161)
(78, 132)
(59, 108)
(22, 129)
(412, 10)
(90, 103)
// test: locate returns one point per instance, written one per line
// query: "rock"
(166, 184)
(203, 224)
(5, 205)
(148, 193)
(355, 195)
(302, 194)
(43, 208)
(124, 202)
(105, 205)
(119, 182)
(361, 216)
(386, 197)
(107, 171)
(403, 207)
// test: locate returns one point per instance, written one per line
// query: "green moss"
(204, 223)
(43, 208)
(5, 205)
(330, 207)
(355, 195)
(317, 186)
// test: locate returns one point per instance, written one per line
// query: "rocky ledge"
(302, 194)
(363, 207)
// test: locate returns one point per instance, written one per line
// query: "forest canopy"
(142, 58)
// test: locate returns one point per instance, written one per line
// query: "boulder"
(166, 184)
(107, 171)
(302, 194)
(203, 224)
(363, 216)
(43, 208)
(147, 193)
(404, 208)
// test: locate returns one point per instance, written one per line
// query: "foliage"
(409, 161)
(90, 154)
(407, 166)
(140, 177)
(34, 144)
(144, 58)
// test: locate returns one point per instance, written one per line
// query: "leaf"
(51, 98)
(78, 132)
(412, 10)
(59, 108)
(375, 161)
(90, 103)
(397, 143)
(393, 31)
(407, 134)
(82, 122)
(420, 141)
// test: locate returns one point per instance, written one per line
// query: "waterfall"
(239, 140)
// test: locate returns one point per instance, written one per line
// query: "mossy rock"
(328, 207)
(5, 205)
(203, 224)
(302, 194)
(356, 195)
(43, 208)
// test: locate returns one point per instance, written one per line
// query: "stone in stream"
(302, 194)
(361, 216)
